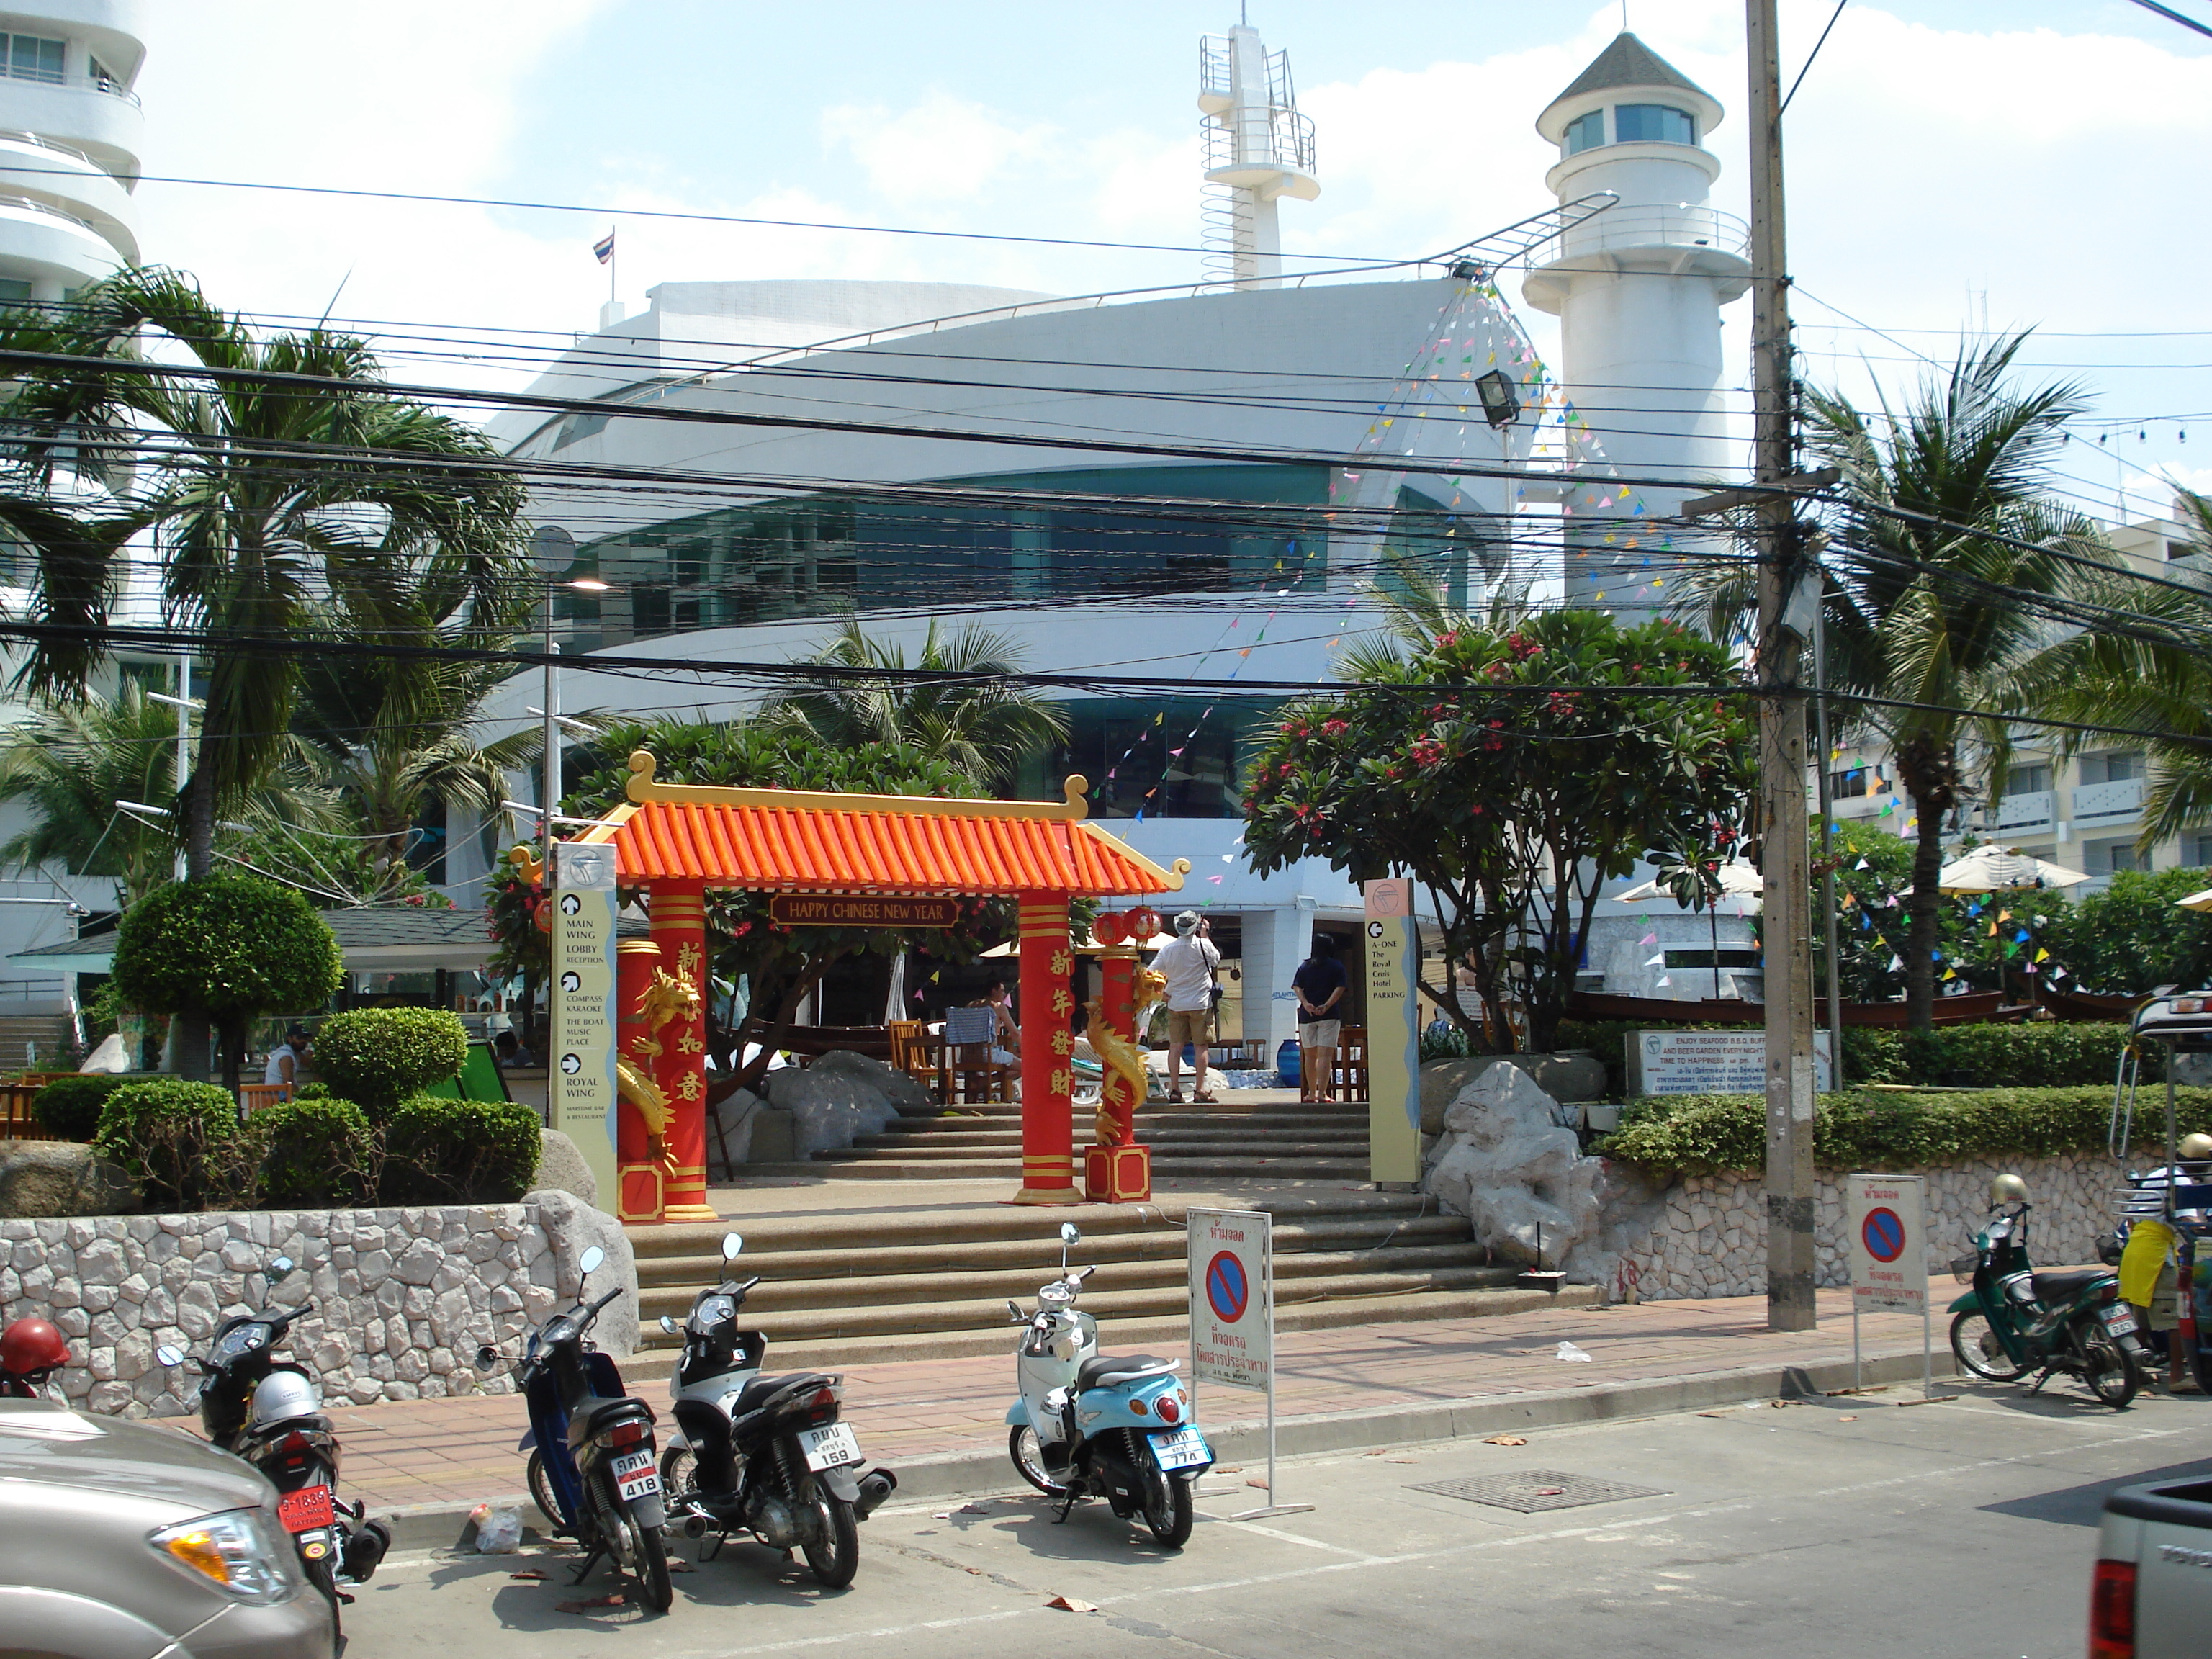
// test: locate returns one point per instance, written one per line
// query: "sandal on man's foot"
(1199, 1097)
(1175, 1096)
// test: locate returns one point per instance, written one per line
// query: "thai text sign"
(1232, 1296)
(1710, 1062)
(1884, 1235)
(581, 1079)
(860, 910)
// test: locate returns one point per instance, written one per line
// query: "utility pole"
(1782, 630)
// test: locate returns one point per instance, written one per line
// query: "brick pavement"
(462, 1450)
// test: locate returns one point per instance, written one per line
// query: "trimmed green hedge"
(441, 1151)
(312, 1154)
(380, 1056)
(1873, 1129)
(174, 1138)
(68, 1107)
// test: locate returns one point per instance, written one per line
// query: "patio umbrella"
(1738, 880)
(2197, 901)
(1992, 869)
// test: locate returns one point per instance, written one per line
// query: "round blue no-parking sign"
(1883, 1234)
(1228, 1292)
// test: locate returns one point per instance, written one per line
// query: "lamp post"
(553, 551)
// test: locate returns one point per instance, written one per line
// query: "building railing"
(1658, 225)
(14, 136)
(2029, 810)
(31, 205)
(1286, 140)
(2120, 800)
(105, 83)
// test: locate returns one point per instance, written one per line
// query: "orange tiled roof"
(788, 840)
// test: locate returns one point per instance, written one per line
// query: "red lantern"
(1143, 924)
(1108, 929)
(541, 912)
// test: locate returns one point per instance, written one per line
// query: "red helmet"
(32, 1345)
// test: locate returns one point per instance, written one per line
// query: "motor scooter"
(1088, 1424)
(591, 1468)
(763, 1454)
(268, 1411)
(2016, 1320)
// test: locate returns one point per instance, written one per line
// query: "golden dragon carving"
(666, 998)
(1120, 1056)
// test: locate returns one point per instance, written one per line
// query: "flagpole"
(613, 254)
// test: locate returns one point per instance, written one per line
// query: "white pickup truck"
(2151, 1597)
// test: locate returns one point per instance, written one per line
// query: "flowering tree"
(1509, 767)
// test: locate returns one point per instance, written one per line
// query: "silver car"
(122, 1540)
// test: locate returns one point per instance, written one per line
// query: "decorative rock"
(905, 1093)
(729, 1134)
(109, 1059)
(561, 1167)
(61, 1178)
(575, 1227)
(829, 1110)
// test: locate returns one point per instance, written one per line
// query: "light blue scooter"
(1089, 1424)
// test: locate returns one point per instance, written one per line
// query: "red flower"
(1446, 641)
(1335, 728)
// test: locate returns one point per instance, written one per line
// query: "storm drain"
(1532, 1491)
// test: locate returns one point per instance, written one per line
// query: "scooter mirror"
(731, 1244)
(487, 1358)
(1070, 1233)
(668, 1326)
(589, 1262)
(168, 1357)
(1014, 1313)
(281, 1266)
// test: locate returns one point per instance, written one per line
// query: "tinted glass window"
(1587, 133)
(31, 58)
(1652, 124)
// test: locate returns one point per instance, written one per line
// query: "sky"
(1952, 164)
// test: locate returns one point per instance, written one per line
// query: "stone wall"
(403, 1297)
(1712, 1238)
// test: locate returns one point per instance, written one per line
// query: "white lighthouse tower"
(1258, 149)
(1639, 288)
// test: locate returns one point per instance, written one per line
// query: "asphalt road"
(1847, 1527)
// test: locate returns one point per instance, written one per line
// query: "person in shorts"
(1320, 983)
(1186, 962)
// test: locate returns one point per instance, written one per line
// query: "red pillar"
(1048, 1050)
(679, 928)
(642, 1195)
(1118, 971)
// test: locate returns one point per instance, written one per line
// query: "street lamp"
(1500, 404)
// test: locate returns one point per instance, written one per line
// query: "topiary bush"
(68, 1107)
(177, 1138)
(319, 1153)
(381, 1056)
(442, 1151)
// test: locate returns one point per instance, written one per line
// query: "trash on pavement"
(499, 1528)
(1069, 1604)
(614, 1601)
(1569, 1352)
(1505, 1440)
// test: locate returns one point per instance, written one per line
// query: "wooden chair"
(971, 1076)
(253, 1096)
(17, 1121)
(1351, 1080)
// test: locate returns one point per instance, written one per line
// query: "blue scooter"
(592, 1472)
(1089, 1424)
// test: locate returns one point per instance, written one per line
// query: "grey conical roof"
(1629, 62)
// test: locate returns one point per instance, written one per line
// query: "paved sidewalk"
(457, 1452)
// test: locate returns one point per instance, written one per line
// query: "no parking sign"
(1884, 1232)
(1232, 1300)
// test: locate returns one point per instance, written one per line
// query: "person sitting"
(1320, 983)
(511, 1054)
(1006, 1035)
(286, 1062)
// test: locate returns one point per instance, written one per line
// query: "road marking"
(1295, 1538)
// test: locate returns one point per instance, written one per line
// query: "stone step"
(1302, 1168)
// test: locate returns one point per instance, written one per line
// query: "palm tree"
(1946, 536)
(982, 724)
(69, 763)
(276, 478)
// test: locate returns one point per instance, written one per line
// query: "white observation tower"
(1258, 149)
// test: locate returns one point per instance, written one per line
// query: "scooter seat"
(1093, 1372)
(2053, 1288)
(593, 1411)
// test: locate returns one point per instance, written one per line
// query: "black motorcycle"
(267, 1410)
(763, 1454)
(591, 1468)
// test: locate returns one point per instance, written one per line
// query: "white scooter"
(1093, 1425)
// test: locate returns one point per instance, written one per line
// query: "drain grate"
(1532, 1491)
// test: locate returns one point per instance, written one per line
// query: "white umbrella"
(1737, 879)
(2197, 901)
(1992, 869)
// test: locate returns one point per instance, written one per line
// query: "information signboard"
(582, 1076)
(1884, 1235)
(1394, 1067)
(860, 910)
(1232, 1298)
(1711, 1062)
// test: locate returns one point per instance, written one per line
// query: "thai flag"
(605, 250)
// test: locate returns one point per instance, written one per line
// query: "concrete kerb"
(988, 1472)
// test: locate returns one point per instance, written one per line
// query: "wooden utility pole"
(1786, 926)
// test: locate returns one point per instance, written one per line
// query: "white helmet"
(283, 1396)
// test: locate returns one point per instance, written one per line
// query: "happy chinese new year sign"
(860, 910)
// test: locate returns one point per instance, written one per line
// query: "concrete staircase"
(1231, 1142)
(839, 1290)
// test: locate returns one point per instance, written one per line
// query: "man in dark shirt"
(1320, 983)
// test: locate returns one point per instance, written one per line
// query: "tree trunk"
(234, 1051)
(199, 824)
(1921, 906)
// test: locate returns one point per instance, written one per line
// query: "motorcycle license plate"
(306, 1509)
(2119, 1322)
(828, 1449)
(634, 1476)
(1181, 1450)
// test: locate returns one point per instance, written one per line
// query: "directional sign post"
(1886, 1236)
(581, 1085)
(1232, 1317)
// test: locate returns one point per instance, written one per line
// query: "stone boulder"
(829, 1109)
(1505, 1162)
(1572, 1079)
(561, 1164)
(730, 1123)
(111, 1057)
(573, 1226)
(41, 1179)
(905, 1093)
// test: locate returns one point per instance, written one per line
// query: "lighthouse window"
(1652, 124)
(1587, 133)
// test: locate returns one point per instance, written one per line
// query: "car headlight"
(236, 1552)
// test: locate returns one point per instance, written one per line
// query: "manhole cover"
(1530, 1491)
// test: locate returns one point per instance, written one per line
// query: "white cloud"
(942, 149)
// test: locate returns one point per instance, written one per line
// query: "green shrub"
(68, 1107)
(318, 1153)
(176, 1137)
(228, 947)
(441, 1151)
(1875, 1129)
(313, 1091)
(380, 1056)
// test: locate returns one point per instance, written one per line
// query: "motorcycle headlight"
(234, 1551)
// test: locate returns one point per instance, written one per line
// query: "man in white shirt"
(1186, 962)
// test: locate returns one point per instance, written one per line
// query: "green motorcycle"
(2016, 1320)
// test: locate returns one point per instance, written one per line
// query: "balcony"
(2030, 809)
(1680, 240)
(2108, 802)
(102, 83)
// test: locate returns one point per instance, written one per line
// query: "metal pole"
(1858, 1380)
(1788, 885)
(184, 744)
(549, 779)
(1832, 922)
